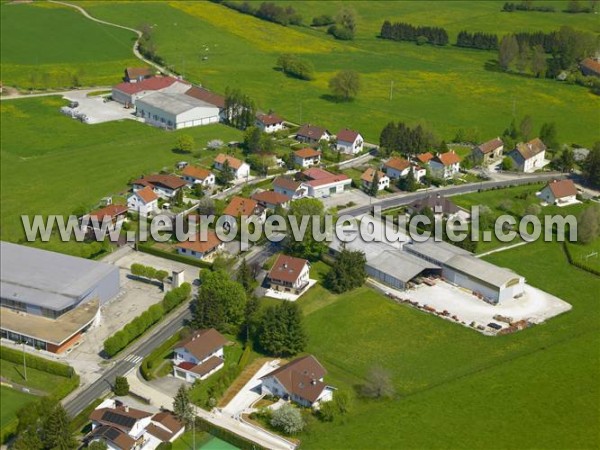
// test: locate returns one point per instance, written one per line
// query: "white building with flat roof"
(175, 110)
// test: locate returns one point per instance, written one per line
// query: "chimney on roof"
(285, 265)
(313, 382)
(126, 408)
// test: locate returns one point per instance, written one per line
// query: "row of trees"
(526, 6)
(482, 41)
(240, 109)
(147, 44)
(296, 67)
(401, 31)
(149, 272)
(267, 11)
(404, 139)
(522, 57)
(43, 425)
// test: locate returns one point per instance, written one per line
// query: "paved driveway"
(250, 392)
(97, 109)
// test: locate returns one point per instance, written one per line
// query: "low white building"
(143, 202)
(349, 141)
(199, 355)
(174, 111)
(321, 184)
(445, 165)
(300, 381)
(529, 156)
(197, 175)
(239, 168)
(307, 157)
(559, 192)
(121, 427)
(164, 185)
(269, 123)
(368, 178)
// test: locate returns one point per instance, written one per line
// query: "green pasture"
(445, 88)
(45, 45)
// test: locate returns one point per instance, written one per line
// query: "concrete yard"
(250, 392)
(97, 109)
(353, 195)
(535, 306)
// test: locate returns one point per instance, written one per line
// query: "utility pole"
(24, 363)
(391, 89)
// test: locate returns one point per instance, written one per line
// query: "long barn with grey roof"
(48, 299)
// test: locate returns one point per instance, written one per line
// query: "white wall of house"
(242, 172)
(395, 173)
(418, 173)
(534, 163)
(270, 386)
(547, 196)
(384, 182)
(307, 162)
(442, 171)
(269, 128)
(198, 255)
(208, 181)
(136, 204)
(294, 195)
(351, 147)
(190, 377)
(329, 189)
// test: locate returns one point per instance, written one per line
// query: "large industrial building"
(49, 299)
(402, 263)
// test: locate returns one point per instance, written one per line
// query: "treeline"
(53, 367)
(526, 6)
(404, 139)
(147, 45)
(268, 11)
(141, 323)
(401, 31)
(240, 109)
(482, 41)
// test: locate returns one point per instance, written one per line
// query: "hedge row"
(35, 362)
(148, 318)
(9, 430)
(150, 361)
(577, 263)
(174, 256)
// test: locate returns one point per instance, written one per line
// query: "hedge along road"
(136, 44)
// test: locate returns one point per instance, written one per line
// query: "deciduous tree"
(288, 419)
(345, 84)
(379, 384)
(348, 272)
(507, 51)
(121, 387)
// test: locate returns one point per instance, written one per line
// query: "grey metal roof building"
(49, 296)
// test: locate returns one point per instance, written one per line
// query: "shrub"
(288, 419)
(36, 362)
(121, 386)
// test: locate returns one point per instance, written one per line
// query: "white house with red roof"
(445, 165)
(111, 215)
(312, 134)
(199, 355)
(300, 381)
(240, 168)
(307, 157)
(197, 175)
(349, 141)
(164, 185)
(290, 188)
(559, 192)
(143, 202)
(368, 179)
(201, 247)
(271, 199)
(289, 274)
(321, 183)
(396, 167)
(269, 123)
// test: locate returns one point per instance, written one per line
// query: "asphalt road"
(74, 405)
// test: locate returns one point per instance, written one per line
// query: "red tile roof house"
(529, 156)
(199, 355)
(445, 165)
(312, 134)
(201, 248)
(121, 427)
(488, 152)
(368, 177)
(269, 123)
(396, 167)
(322, 184)
(424, 158)
(271, 199)
(349, 141)
(135, 74)
(239, 167)
(143, 202)
(559, 192)
(289, 274)
(590, 67)
(300, 381)
(165, 186)
(197, 175)
(290, 188)
(113, 215)
(307, 157)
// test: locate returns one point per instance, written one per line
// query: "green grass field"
(46, 45)
(445, 88)
(12, 401)
(36, 379)
(51, 164)
(450, 379)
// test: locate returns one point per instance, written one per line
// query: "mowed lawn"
(457, 388)
(12, 401)
(51, 164)
(445, 88)
(45, 45)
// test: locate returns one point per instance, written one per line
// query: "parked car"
(495, 326)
